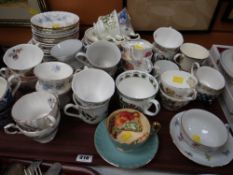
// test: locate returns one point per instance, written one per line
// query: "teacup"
(162, 66)
(8, 89)
(137, 89)
(166, 42)
(129, 129)
(203, 130)
(91, 114)
(107, 26)
(23, 58)
(211, 82)
(190, 53)
(36, 110)
(102, 55)
(53, 75)
(42, 136)
(65, 50)
(175, 103)
(92, 87)
(178, 83)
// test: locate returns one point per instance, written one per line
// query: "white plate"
(39, 87)
(226, 61)
(218, 158)
(55, 19)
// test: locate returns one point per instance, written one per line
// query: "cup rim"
(176, 99)
(198, 46)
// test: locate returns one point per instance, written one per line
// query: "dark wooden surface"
(76, 137)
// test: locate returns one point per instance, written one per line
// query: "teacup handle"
(5, 72)
(156, 105)
(84, 61)
(193, 97)
(155, 71)
(12, 126)
(50, 121)
(149, 65)
(176, 58)
(11, 80)
(70, 106)
(194, 68)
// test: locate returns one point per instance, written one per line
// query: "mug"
(102, 55)
(8, 89)
(166, 43)
(137, 89)
(133, 137)
(190, 53)
(91, 114)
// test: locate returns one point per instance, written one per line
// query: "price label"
(178, 79)
(84, 158)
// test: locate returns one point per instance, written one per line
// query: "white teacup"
(65, 50)
(162, 66)
(137, 90)
(23, 58)
(53, 75)
(203, 130)
(102, 55)
(166, 42)
(210, 82)
(91, 114)
(107, 26)
(178, 83)
(36, 110)
(92, 86)
(190, 53)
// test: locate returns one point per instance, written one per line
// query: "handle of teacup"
(70, 106)
(155, 71)
(176, 58)
(194, 68)
(5, 72)
(11, 128)
(193, 96)
(78, 70)
(82, 58)
(149, 65)
(14, 80)
(155, 127)
(156, 105)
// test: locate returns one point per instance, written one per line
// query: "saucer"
(134, 159)
(221, 157)
(61, 91)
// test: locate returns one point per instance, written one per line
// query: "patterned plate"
(113, 156)
(54, 19)
(218, 158)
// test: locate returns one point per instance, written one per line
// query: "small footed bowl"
(203, 130)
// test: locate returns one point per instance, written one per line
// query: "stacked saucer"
(50, 28)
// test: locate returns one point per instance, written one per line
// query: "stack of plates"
(50, 28)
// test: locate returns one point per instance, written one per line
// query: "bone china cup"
(102, 55)
(92, 86)
(23, 58)
(203, 130)
(190, 53)
(53, 75)
(138, 131)
(210, 82)
(36, 110)
(178, 83)
(137, 89)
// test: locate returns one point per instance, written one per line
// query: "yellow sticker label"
(196, 138)
(33, 11)
(138, 46)
(178, 79)
(55, 26)
(126, 136)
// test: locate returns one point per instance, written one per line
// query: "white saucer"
(39, 87)
(215, 159)
(226, 61)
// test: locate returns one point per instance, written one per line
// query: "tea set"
(82, 77)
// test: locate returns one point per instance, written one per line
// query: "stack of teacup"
(177, 89)
(20, 60)
(36, 115)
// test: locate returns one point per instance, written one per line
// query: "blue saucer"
(134, 159)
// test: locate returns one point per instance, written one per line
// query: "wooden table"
(76, 137)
